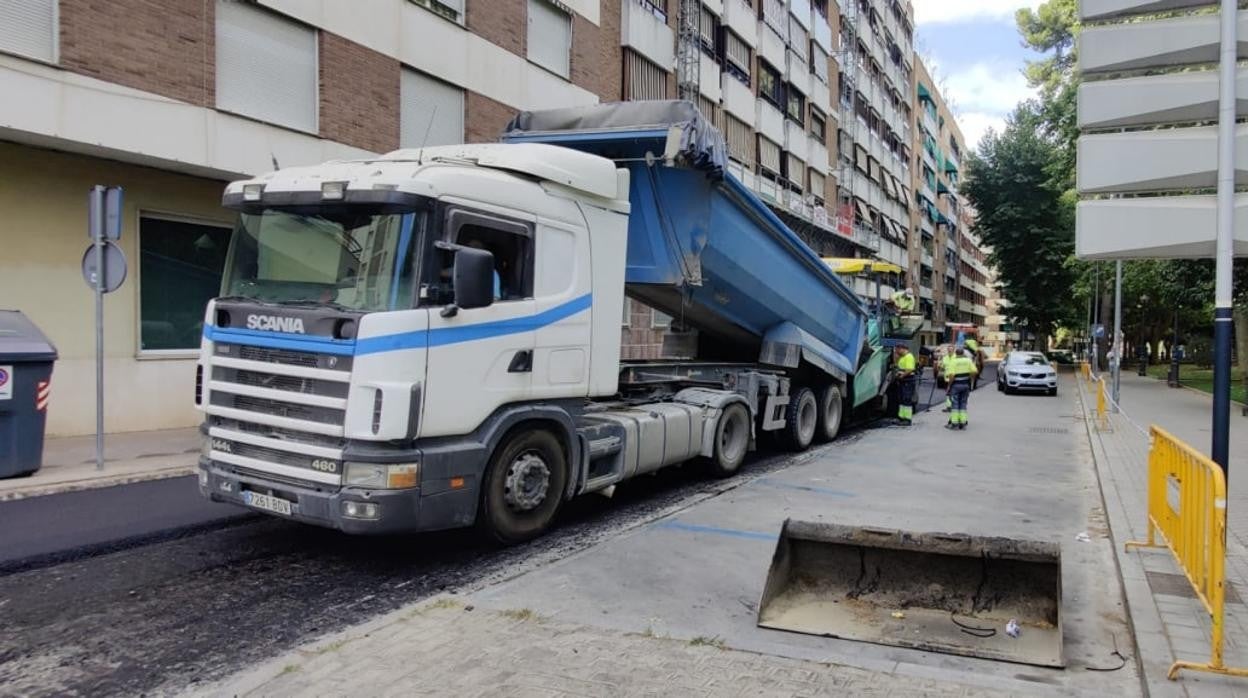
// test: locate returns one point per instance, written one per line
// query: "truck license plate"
(276, 505)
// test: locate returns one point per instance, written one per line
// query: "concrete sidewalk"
(69, 463)
(1169, 621)
(670, 608)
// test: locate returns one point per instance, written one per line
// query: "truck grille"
(294, 384)
(278, 408)
(285, 446)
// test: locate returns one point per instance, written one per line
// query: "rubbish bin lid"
(21, 341)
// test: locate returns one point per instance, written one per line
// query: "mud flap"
(950, 593)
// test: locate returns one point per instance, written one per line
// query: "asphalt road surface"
(145, 588)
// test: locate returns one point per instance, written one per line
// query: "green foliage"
(1024, 216)
(1052, 29)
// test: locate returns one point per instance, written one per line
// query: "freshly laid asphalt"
(147, 587)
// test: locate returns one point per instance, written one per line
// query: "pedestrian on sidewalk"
(908, 380)
(961, 372)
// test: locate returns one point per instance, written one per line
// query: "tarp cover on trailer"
(702, 146)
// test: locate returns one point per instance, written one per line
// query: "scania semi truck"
(430, 338)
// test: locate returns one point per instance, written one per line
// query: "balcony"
(799, 74)
(928, 160)
(822, 33)
(740, 18)
(965, 306)
(925, 191)
(952, 161)
(739, 99)
(927, 259)
(648, 35)
(795, 140)
(802, 10)
(928, 120)
(925, 292)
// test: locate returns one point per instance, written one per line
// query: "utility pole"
(1116, 342)
(1226, 237)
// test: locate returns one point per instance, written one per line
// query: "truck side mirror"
(473, 278)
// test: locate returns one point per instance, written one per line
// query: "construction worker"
(960, 373)
(908, 380)
(904, 301)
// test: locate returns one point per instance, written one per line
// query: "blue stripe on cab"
(438, 337)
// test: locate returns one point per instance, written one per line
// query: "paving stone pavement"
(1170, 623)
(446, 648)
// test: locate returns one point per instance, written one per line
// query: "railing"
(1187, 509)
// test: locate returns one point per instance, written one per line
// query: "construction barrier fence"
(1187, 513)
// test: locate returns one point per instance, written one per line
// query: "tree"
(1021, 216)
(1052, 28)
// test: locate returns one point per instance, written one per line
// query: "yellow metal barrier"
(1086, 370)
(1187, 508)
(1102, 421)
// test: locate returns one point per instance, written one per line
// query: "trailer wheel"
(801, 419)
(732, 440)
(523, 487)
(831, 411)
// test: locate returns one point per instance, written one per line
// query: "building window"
(799, 40)
(550, 37)
(628, 312)
(768, 155)
(660, 320)
(29, 28)
(658, 8)
(819, 62)
(706, 30)
(266, 66)
(643, 79)
(795, 171)
(769, 86)
(796, 105)
(818, 125)
(180, 264)
(817, 186)
(431, 112)
(737, 55)
(450, 9)
(740, 140)
(772, 13)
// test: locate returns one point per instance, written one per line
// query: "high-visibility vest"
(961, 368)
(906, 363)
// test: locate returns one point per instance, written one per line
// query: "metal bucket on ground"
(949, 593)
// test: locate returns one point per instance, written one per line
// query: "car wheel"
(1053, 392)
(830, 412)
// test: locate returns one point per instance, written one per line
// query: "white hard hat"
(910, 292)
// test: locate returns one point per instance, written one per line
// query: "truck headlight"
(382, 476)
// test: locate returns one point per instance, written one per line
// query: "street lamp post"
(1172, 379)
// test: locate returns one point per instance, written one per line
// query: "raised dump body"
(702, 247)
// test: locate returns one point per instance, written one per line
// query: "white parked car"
(1026, 370)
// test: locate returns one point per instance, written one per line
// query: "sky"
(977, 58)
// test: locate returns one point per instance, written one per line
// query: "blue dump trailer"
(703, 248)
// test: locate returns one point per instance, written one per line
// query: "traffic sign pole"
(96, 226)
(1223, 295)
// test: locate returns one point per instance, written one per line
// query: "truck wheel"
(732, 440)
(801, 419)
(831, 411)
(523, 487)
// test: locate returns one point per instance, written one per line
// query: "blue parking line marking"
(804, 488)
(732, 532)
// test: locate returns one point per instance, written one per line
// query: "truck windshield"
(355, 260)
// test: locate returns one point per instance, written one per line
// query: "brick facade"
(597, 58)
(167, 47)
(502, 22)
(485, 118)
(640, 339)
(359, 95)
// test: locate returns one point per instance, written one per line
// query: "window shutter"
(797, 170)
(740, 141)
(798, 39)
(643, 79)
(737, 51)
(431, 112)
(266, 66)
(768, 155)
(550, 37)
(706, 27)
(28, 28)
(816, 184)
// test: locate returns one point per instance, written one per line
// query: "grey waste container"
(26, 358)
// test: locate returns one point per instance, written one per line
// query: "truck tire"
(831, 412)
(732, 441)
(801, 419)
(523, 486)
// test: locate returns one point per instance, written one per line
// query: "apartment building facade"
(170, 99)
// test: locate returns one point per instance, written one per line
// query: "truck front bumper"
(429, 508)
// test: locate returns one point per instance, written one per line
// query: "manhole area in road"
(1177, 585)
(1049, 430)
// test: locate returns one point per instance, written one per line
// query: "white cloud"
(982, 95)
(949, 11)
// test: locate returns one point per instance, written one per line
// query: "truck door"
(482, 358)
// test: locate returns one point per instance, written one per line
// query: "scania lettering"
(430, 338)
(275, 324)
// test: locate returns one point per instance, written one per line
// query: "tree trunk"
(1241, 342)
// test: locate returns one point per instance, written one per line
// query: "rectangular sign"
(6, 382)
